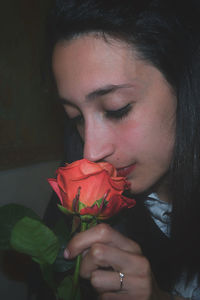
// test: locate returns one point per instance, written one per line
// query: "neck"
(163, 196)
(162, 190)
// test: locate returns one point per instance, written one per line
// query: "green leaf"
(65, 290)
(9, 215)
(87, 218)
(65, 210)
(81, 205)
(99, 202)
(63, 234)
(31, 237)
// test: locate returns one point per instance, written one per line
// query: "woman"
(127, 73)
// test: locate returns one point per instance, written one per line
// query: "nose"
(98, 142)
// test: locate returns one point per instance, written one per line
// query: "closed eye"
(119, 114)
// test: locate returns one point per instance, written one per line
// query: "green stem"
(77, 268)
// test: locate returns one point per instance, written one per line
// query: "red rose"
(88, 188)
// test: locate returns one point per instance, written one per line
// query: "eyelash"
(116, 115)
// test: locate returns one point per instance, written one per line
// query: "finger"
(101, 256)
(109, 283)
(101, 233)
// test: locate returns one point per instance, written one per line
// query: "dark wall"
(31, 119)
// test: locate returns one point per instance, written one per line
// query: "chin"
(139, 189)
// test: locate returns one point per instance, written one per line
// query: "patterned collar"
(160, 212)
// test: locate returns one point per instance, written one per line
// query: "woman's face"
(123, 107)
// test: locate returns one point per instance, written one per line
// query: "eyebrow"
(108, 89)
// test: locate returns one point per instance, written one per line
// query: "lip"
(124, 172)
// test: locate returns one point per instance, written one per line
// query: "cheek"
(128, 137)
(146, 139)
(155, 146)
(132, 133)
(127, 131)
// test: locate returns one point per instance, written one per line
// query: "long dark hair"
(166, 34)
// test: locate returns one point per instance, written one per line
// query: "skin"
(93, 78)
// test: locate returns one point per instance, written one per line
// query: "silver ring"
(121, 276)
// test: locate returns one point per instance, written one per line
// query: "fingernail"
(66, 253)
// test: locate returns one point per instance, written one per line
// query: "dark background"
(31, 119)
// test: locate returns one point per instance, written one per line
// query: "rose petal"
(95, 180)
(109, 168)
(87, 167)
(118, 183)
(56, 188)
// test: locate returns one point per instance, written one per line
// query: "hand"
(106, 253)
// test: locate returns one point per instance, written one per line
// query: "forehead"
(90, 62)
(92, 43)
